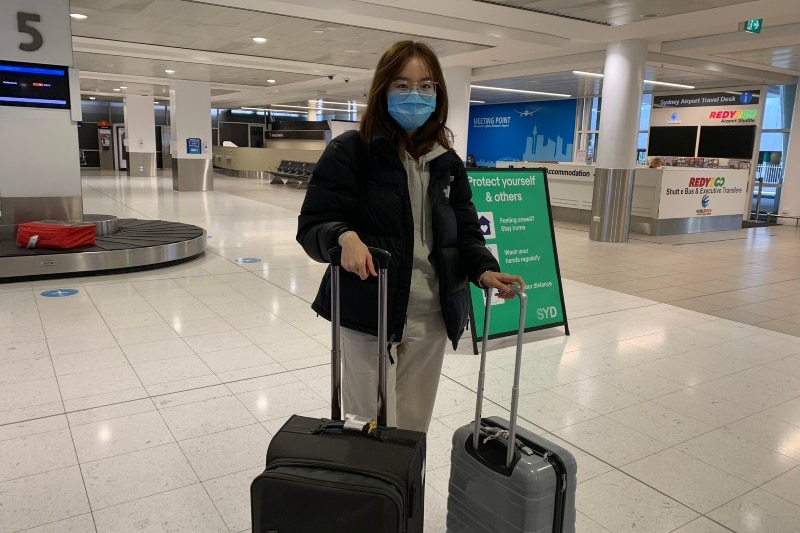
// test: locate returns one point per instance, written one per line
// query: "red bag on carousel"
(55, 234)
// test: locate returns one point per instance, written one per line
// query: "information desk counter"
(669, 201)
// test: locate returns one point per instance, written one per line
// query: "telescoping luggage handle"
(381, 259)
(512, 430)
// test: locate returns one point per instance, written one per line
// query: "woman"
(397, 184)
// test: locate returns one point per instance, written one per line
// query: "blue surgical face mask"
(411, 110)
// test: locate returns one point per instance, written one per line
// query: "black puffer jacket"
(370, 196)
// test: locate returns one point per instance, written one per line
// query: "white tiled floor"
(146, 401)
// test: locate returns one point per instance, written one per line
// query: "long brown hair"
(376, 119)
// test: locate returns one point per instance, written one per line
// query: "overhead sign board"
(295, 134)
(729, 98)
(753, 25)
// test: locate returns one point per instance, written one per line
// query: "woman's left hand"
(502, 282)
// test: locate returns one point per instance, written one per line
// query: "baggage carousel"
(121, 245)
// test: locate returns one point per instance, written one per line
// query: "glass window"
(94, 111)
(594, 119)
(591, 145)
(779, 107)
(772, 147)
(642, 141)
(117, 112)
(644, 116)
(161, 115)
(235, 132)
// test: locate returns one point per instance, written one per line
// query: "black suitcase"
(321, 477)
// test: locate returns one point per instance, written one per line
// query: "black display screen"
(32, 85)
(735, 142)
(672, 140)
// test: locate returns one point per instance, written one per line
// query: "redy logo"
(719, 181)
(743, 115)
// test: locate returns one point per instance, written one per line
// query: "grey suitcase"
(497, 488)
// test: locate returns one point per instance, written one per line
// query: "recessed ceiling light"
(520, 91)
(123, 86)
(590, 74)
(92, 98)
(329, 102)
(116, 90)
(259, 40)
(652, 82)
(283, 107)
(270, 81)
(318, 31)
(477, 101)
(666, 84)
(78, 16)
(169, 71)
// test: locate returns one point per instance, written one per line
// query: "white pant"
(412, 380)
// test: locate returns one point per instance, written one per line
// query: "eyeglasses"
(404, 87)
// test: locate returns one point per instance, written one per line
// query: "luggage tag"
(360, 424)
(503, 434)
(32, 242)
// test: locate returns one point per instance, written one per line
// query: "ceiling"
(615, 12)
(328, 48)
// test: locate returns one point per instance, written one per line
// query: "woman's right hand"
(356, 257)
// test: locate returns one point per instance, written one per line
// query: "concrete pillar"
(313, 112)
(616, 152)
(458, 80)
(140, 128)
(39, 155)
(190, 106)
(790, 193)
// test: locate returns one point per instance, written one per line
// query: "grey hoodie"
(424, 296)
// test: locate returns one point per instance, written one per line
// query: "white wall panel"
(38, 153)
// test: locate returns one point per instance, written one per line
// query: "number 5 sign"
(36, 31)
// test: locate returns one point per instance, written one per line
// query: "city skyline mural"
(528, 131)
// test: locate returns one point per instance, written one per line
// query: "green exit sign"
(753, 26)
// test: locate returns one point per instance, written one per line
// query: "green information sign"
(514, 211)
(753, 25)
